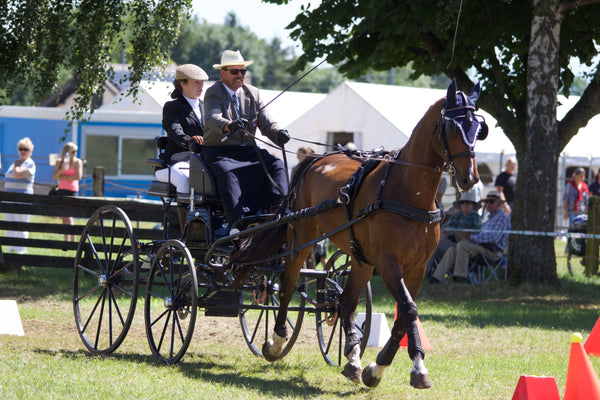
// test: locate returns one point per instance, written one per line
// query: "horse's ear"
(451, 94)
(475, 92)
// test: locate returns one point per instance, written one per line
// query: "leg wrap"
(414, 341)
(281, 331)
(386, 355)
(351, 340)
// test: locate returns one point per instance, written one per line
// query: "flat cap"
(190, 71)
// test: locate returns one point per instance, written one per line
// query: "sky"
(266, 20)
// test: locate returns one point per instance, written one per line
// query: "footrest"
(224, 303)
(161, 189)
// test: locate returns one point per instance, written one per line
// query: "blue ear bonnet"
(460, 118)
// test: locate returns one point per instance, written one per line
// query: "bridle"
(450, 127)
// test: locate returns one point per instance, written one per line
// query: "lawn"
(483, 339)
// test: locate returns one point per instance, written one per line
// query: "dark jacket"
(180, 122)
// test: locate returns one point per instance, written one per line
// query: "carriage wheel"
(330, 330)
(171, 302)
(257, 321)
(105, 280)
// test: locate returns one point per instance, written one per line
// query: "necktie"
(236, 104)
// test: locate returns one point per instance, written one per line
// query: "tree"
(202, 43)
(42, 38)
(520, 50)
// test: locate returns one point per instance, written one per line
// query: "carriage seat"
(202, 180)
(158, 188)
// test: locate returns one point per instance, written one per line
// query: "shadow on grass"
(262, 377)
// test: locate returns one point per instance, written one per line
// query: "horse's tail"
(256, 247)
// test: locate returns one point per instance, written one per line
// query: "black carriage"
(191, 273)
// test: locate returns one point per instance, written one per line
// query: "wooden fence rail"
(138, 211)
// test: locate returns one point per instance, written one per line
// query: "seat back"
(201, 179)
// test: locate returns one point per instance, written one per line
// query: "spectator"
(183, 123)
(19, 179)
(234, 110)
(506, 182)
(575, 198)
(68, 171)
(301, 154)
(594, 187)
(467, 218)
(490, 241)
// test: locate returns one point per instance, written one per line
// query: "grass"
(483, 339)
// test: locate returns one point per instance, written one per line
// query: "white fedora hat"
(230, 57)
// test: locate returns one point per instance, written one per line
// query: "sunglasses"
(237, 71)
(23, 149)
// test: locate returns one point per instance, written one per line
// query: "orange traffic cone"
(424, 341)
(582, 382)
(536, 388)
(592, 344)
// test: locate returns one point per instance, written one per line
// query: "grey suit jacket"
(219, 111)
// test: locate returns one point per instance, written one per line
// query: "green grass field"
(483, 339)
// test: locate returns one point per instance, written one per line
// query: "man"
(490, 241)
(233, 111)
(506, 182)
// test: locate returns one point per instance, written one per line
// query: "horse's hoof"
(266, 347)
(420, 381)
(352, 372)
(369, 378)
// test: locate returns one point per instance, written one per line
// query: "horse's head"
(459, 129)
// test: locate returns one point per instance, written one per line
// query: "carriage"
(184, 275)
(377, 208)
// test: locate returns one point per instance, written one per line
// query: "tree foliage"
(520, 51)
(40, 39)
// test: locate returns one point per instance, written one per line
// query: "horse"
(393, 228)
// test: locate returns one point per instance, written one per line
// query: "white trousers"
(180, 176)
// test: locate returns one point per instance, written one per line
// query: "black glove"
(238, 124)
(283, 137)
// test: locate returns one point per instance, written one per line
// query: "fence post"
(99, 181)
(592, 245)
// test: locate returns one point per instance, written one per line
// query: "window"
(122, 150)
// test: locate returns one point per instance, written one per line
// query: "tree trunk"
(532, 258)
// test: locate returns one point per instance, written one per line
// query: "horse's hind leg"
(405, 323)
(271, 349)
(357, 280)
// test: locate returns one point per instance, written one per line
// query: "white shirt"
(195, 103)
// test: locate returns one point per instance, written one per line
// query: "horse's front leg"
(405, 323)
(271, 349)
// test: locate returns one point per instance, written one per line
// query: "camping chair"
(483, 269)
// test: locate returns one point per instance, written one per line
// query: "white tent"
(384, 115)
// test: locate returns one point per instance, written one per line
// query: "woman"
(183, 123)
(466, 218)
(68, 171)
(576, 196)
(19, 179)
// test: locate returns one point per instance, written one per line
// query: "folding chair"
(483, 269)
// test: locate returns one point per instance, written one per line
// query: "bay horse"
(396, 227)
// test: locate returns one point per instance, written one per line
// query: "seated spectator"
(490, 241)
(467, 218)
